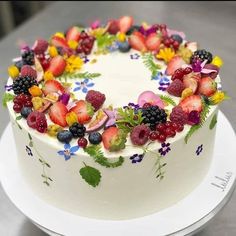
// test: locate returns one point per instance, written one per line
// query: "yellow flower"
(217, 61)
(13, 71)
(218, 97)
(52, 51)
(59, 34)
(73, 44)
(71, 118)
(166, 54)
(48, 76)
(121, 37)
(73, 63)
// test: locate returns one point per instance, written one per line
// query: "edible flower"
(166, 54)
(150, 97)
(52, 51)
(95, 24)
(73, 44)
(217, 61)
(59, 34)
(218, 97)
(73, 63)
(48, 76)
(13, 71)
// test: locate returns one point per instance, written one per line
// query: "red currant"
(167, 42)
(153, 135)
(175, 45)
(171, 40)
(187, 70)
(175, 125)
(82, 142)
(172, 134)
(146, 105)
(168, 132)
(160, 127)
(168, 124)
(17, 107)
(83, 35)
(28, 104)
(180, 128)
(163, 26)
(161, 138)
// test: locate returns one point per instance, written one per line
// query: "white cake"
(133, 180)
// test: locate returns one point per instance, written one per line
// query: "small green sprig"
(168, 100)
(7, 97)
(105, 40)
(148, 61)
(83, 75)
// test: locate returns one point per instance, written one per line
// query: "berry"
(41, 124)
(19, 64)
(27, 70)
(124, 23)
(82, 142)
(180, 128)
(177, 38)
(167, 42)
(168, 124)
(40, 46)
(133, 29)
(37, 120)
(161, 127)
(153, 42)
(163, 26)
(168, 131)
(57, 114)
(22, 84)
(139, 134)
(146, 105)
(153, 135)
(113, 139)
(161, 138)
(95, 98)
(57, 65)
(202, 55)
(59, 42)
(53, 86)
(113, 27)
(25, 111)
(28, 57)
(77, 130)
(17, 108)
(64, 136)
(124, 46)
(187, 70)
(191, 103)
(176, 88)
(175, 125)
(83, 35)
(137, 41)
(207, 86)
(73, 34)
(178, 74)
(95, 138)
(153, 115)
(178, 115)
(84, 111)
(175, 63)
(190, 82)
(175, 45)
(194, 118)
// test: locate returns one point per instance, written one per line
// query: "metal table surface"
(212, 24)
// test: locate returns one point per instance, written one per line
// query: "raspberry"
(37, 120)
(27, 70)
(41, 124)
(176, 88)
(40, 46)
(139, 135)
(178, 115)
(95, 98)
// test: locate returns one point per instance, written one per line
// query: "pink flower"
(150, 97)
(95, 24)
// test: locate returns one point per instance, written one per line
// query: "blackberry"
(22, 84)
(77, 130)
(153, 115)
(202, 55)
(28, 57)
(132, 29)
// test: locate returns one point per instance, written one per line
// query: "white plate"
(185, 217)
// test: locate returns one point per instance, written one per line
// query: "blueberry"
(19, 64)
(25, 111)
(64, 136)
(95, 138)
(124, 46)
(132, 29)
(177, 38)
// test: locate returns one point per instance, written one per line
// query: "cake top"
(113, 86)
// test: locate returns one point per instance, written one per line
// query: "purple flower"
(135, 56)
(163, 81)
(199, 149)
(8, 87)
(83, 85)
(68, 151)
(136, 107)
(136, 158)
(165, 148)
(28, 150)
(112, 115)
(113, 47)
(85, 58)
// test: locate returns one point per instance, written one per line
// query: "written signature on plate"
(222, 182)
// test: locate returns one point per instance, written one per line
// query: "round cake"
(115, 120)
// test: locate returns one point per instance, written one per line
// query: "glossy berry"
(168, 132)
(175, 45)
(161, 138)
(28, 57)
(160, 127)
(172, 134)
(82, 142)
(64, 136)
(180, 128)
(168, 124)
(22, 84)
(96, 98)
(174, 125)
(124, 46)
(177, 38)
(21, 100)
(153, 135)
(187, 70)
(37, 120)
(146, 105)
(25, 111)
(19, 64)
(95, 138)
(17, 107)
(77, 130)
(178, 74)
(202, 55)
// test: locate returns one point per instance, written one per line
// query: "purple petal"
(61, 153)
(84, 90)
(74, 149)
(90, 85)
(76, 89)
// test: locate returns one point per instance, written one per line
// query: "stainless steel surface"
(212, 24)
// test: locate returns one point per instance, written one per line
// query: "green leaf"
(91, 175)
(7, 97)
(98, 156)
(105, 40)
(83, 75)
(168, 100)
(18, 117)
(213, 122)
(18, 125)
(50, 179)
(148, 61)
(41, 160)
(30, 137)
(47, 165)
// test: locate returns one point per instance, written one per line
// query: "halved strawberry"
(175, 63)
(153, 42)
(73, 34)
(191, 81)
(57, 65)
(52, 86)
(125, 22)
(113, 139)
(113, 26)
(207, 86)
(191, 103)
(83, 110)
(59, 42)
(57, 114)
(137, 41)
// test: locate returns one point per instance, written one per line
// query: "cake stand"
(195, 210)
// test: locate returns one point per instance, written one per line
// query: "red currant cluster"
(165, 130)
(43, 61)
(170, 42)
(180, 73)
(85, 43)
(21, 100)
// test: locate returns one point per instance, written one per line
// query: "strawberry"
(176, 88)
(57, 114)
(52, 86)
(125, 22)
(137, 41)
(207, 86)
(191, 103)
(27, 70)
(83, 110)
(73, 34)
(175, 63)
(57, 65)
(113, 139)
(59, 42)
(40, 46)
(113, 27)
(192, 46)
(191, 81)
(153, 42)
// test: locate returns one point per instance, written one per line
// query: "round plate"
(196, 209)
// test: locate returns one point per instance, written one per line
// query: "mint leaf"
(7, 97)
(18, 117)
(213, 122)
(91, 175)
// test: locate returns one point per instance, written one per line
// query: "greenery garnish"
(98, 156)
(7, 97)
(213, 122)
(148, 61)
(85, 75)
(105, 40)
(168, 100)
